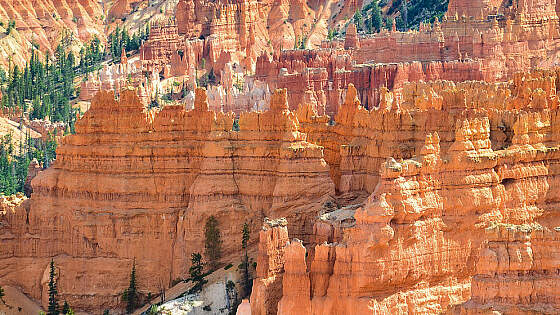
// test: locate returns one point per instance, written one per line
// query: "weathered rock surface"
(468, 225)
(491, 41)
(43, 22)
(267, 288)
(132, 184)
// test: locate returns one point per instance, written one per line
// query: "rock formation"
(131, 181)
(42, 22)
(490, 42)
(416, 171)
(270, 267)
(467, 225)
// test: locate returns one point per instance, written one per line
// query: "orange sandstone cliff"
(138, 185)
(44, 23)
(467, 226)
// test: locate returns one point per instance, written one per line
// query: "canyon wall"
(358, 141)
(43, 23)
(468, 225)
(476, 40)
(138, 185)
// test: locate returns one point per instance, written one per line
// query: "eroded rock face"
(267, 288)
(467, 225)
(492, 41)
(136, 184)
(42, 22)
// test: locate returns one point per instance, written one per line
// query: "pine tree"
(376, 17)
(358, 19)
(213, 242)
(195, 272)
(54, 308)
(389, 23)
(246, 275)
(2, 294)
(66, 310)
(131, 293)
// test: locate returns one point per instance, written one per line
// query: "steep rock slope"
(461, 222)
(44, 23)
(135, 185)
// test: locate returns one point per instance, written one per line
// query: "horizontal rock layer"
(139, 185)
(468, 225)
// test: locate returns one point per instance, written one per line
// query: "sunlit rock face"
(43, 23)
(133, 184)
(467, 226)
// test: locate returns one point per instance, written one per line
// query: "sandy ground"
(174, 292)
(17, 303)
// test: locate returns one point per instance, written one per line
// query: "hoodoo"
(279, 157)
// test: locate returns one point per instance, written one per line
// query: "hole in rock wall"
(501, 137)
(508, 181)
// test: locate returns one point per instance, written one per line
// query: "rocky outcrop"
(516, 272)
(131, 181)
(254, 95)
(42, 23)
(267, 288)
(492, 42)
(357, 141)
(467, 225)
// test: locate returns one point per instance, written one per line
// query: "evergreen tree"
(404, 14)
(389, 23)
(245, 272)
(2, 294)
(195, 272)
(65, 307)
(245, 236)
(399, 22)
(131, 295)
(66, 310)
(54, 308)
(375, 17)
(358, 19)
(213, 241)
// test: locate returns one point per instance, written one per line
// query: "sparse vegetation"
(13, 167)
(406, 14)
(91, 56)
(66, 310)
(120, 38)
(130, 295)
(197, 277)
(375, 24)
(213, 242)
(246, 281)
(332, 33)
(11, 26)
(54, 308)
(2, 294)
(49, 86)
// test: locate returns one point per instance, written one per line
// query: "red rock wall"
(460, 223)
(267, 288)
(139, 185)
(461, 48)
(43, 22)
(326, 74)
